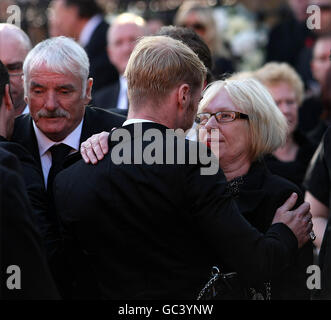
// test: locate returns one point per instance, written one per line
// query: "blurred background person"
(249, 125)
(288, 37)
(200, 18)
(305, 56)
(83, 21)
(291, 159)
(312, 107)
(14, 47)
(325, 115)
(122, 35)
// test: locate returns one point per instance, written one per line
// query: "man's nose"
(51, 102)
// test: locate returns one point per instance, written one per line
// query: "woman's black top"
(258, 195)
(293, 171)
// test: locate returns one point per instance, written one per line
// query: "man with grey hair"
(153, 229)
(58, 90)
(15, 45)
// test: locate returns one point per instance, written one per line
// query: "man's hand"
(298, 220)
(95, 147)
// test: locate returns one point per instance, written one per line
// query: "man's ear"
(89, 88)
(184, 96)
(7, 99)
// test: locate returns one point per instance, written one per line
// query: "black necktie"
(58, 152)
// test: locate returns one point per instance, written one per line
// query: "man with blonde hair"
(151, 227)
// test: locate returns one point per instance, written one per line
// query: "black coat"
(20, 242)
(34, 182)
(318, 182)
(258, 195)
(101, 69)
(95, 121)
(153, 231)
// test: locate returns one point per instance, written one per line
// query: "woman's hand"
(95, 147)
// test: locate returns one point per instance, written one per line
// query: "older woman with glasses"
(240, 122)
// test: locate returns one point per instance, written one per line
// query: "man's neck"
(146, 115)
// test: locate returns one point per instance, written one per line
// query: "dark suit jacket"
(107, 97)
(34, 182)
(258, 196)
(20, 243)
(153, 231)
(101, 69)
(95, 121)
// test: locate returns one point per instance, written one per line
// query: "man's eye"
(37, 91)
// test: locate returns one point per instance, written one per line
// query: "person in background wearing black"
(292, 159)
(122, 36)
(312, 107)
(318, 186)
(82, 20)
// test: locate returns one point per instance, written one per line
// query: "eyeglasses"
(221, 116)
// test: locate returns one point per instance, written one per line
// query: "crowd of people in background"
(88, 228)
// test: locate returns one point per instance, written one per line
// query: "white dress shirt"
(132, 121)
(44, 143)
(86, 33)
(26, 110)
(122, 101)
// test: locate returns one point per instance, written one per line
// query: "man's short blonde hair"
(157, 65)
(273, 73)
(267, 125)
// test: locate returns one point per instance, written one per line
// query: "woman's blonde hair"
(267, 125)
(273, 73)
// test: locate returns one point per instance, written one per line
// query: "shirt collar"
(91, 25)
(132, 121)
(44, 143)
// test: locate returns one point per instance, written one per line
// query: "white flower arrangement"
(238, 29)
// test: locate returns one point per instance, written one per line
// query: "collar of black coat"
(251, 191)
(134, 130)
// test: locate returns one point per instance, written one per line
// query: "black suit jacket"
(153, 231)
(107, 97)
(34, 182)
(101, 69)
(20, 243)
(95, 121)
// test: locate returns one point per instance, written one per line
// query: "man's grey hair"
(61, 55)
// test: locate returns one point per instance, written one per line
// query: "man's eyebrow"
(35, 84)
(66, 86)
